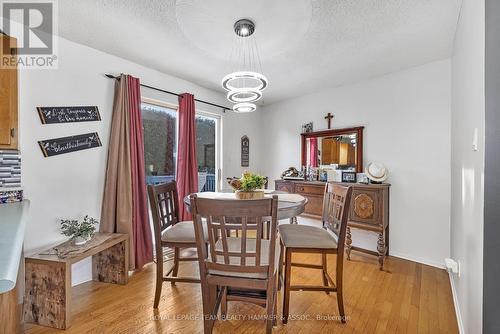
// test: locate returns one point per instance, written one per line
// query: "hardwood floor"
(405, 298)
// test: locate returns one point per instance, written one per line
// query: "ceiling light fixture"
(244, 107)
(244, 95)
(246, 83)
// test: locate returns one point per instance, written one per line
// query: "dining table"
(289, 205)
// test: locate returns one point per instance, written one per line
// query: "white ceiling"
(305, 45)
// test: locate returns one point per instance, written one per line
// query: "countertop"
(13, 218)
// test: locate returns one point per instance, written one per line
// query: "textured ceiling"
(305, 45)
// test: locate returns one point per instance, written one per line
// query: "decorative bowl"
(256, 194)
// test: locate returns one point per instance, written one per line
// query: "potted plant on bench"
(79, 231)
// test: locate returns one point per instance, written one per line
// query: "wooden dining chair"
(317, 240)
(237, 268)
(169, 232)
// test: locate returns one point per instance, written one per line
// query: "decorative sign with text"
(51, 115)
(245, 151)
(69, 144)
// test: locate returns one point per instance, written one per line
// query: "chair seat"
(234, 245)
(306, 236)
(182, 232)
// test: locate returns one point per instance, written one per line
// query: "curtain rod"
(110, 76)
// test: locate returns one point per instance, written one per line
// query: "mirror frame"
(335, 132)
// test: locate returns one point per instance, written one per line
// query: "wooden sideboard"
(369, 210)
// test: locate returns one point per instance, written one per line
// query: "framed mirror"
(341, 147)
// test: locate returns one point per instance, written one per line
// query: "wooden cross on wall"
(329, 117)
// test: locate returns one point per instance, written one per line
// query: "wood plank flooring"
(405, 298)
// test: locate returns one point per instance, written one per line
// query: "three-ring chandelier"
(245, 84)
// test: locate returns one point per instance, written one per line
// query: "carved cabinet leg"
(381, 250)
(348, 242)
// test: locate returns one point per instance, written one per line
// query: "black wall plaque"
(69, 144)
(51, 115)
(245, 151)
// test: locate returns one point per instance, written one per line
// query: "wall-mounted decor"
(308, 127)
(245, 151)
(51, 115)
(329, 118)
(69, 144)
(10, 168)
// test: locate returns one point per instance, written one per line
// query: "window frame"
(203, 113)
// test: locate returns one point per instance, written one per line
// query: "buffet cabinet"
(369, 210)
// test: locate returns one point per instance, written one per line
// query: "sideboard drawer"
(309, 189)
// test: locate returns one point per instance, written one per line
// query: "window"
(160, 145)
(160, 142)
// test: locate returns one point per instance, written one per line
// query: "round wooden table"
(289, 205)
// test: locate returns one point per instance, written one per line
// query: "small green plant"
(248, 182)
(84, 229)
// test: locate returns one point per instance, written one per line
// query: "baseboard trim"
(439, 265)
(455, 303)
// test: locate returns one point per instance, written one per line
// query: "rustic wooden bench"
(47, 299)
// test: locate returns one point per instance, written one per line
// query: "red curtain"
(140, 223)
(313, 157)
(187, 165)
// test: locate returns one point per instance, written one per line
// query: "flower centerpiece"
(248, 186)
(79, 231)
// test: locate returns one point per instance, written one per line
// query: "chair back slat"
(258, 241)
(225, 249)
(232, 254)
(243, 241)
(212, 237)
(336, 201)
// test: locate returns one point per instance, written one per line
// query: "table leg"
(47, 296)
(111, 265)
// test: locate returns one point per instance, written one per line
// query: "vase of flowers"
(79, 231)
(248, 186)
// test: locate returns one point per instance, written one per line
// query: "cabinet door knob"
(12, 132)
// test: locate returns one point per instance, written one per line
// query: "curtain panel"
(187, 164)
(124, 206)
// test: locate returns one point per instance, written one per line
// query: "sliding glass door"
(160, 145)
(206, 152)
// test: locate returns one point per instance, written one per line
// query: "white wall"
(407, 127)
(467, 166)
(71, 185)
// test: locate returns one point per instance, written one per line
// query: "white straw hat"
(376, 172)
